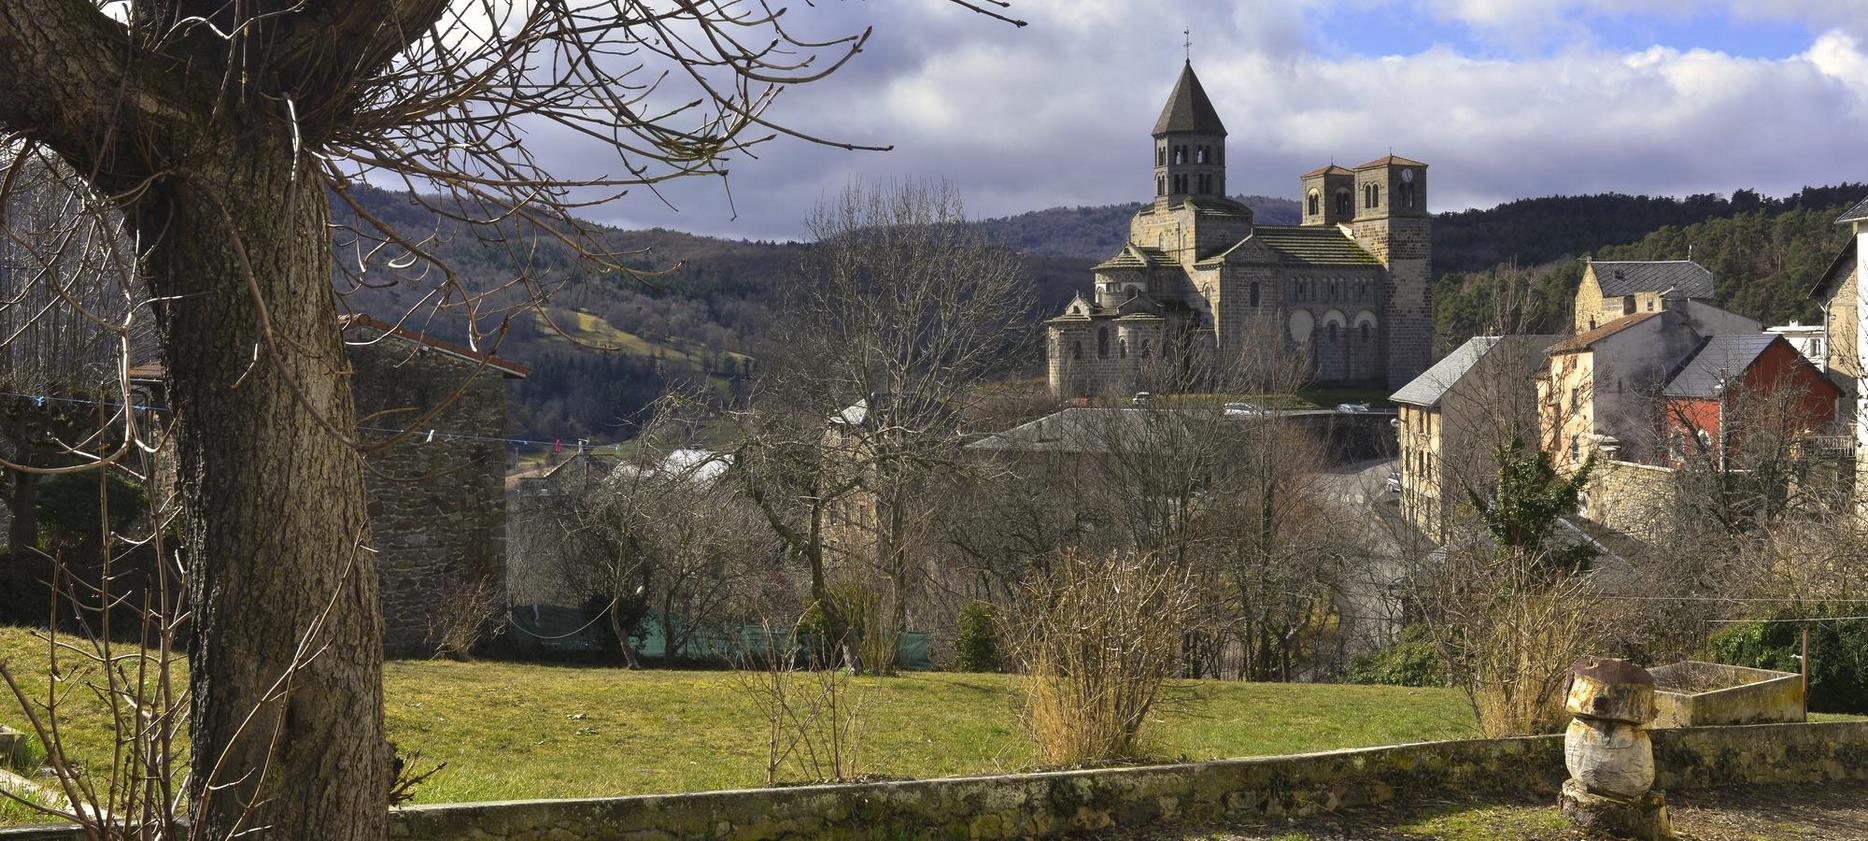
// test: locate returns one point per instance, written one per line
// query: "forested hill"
(1533, 231)
(1765, 254)
(704, 323)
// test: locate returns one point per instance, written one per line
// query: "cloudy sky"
(1504, 98)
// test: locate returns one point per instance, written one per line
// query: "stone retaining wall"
(1030, 805)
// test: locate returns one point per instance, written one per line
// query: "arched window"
(1312, 202)
(1253, 293)
(1160, 185)
(1144, 348)
(1407, 194)
(1076, 349)
(1102, 343)
(1160, 156)
(1180, 155)
(1122, 348)
(1199, 155)
(1344, 206)
(1332, 331)
(1365, 331)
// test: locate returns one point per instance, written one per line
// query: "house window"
(1576, 448)
(1102, 343)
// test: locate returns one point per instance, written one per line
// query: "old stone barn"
(437, 494)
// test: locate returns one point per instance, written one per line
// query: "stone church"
(1199, 285)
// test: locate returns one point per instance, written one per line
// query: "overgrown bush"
(1410, 660)
(1838, 653)
(976, 645)
(1097, 638)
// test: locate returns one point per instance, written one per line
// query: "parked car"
(1246, 409)
(1394, 483)
(1352, 408)
(1142, 398)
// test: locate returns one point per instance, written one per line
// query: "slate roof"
(1332, 169)
(1136, 257)
(1427, 389)
(1583, 340)
(1626, 277)
(1719, 359)
(1858, 213)
(1390, 159)
(1314, 245)
(1188, 109)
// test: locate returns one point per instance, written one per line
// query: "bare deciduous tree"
(222, 132)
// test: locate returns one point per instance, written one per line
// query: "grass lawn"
(511, 731)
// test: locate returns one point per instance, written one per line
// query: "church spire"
(1188, 108)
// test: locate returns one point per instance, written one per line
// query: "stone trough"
(1692, 693)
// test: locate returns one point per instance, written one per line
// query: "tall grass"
(1097, 639)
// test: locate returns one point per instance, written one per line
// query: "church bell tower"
(1190, 143)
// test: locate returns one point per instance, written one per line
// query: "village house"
(1844, 308)
(1455, 415)
(1734, 380)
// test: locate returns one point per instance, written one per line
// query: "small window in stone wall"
(1313, 201)
(1076, 349)
(1365, 331)
(1122, 348)
(1199, 155)
(1343, 203)
(1253, 294)
(1102, 343)
(1332, 331)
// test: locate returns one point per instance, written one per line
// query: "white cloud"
(1059, 112)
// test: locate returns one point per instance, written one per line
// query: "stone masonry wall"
(1037, 805)
(437, 508)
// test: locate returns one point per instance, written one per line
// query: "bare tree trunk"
(287, 627)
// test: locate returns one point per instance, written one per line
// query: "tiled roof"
(1427, 389)
(1390, 160)
(1720, 358)
(1315, 245)
(1626, 277)
(1188, 109)
(1332, 169)
(1582, 341)
(1858, 213)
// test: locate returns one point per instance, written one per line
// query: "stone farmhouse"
(437, 497)
(1198, 283)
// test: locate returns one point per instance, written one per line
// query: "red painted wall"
(1779, 366)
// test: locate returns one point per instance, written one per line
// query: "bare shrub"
(813, 711)
(471, 612)
(1097, 637)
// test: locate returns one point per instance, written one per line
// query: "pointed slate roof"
(1188, 109)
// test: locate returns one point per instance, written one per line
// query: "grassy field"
(509, 731)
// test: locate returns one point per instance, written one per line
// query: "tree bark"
(286, 656)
